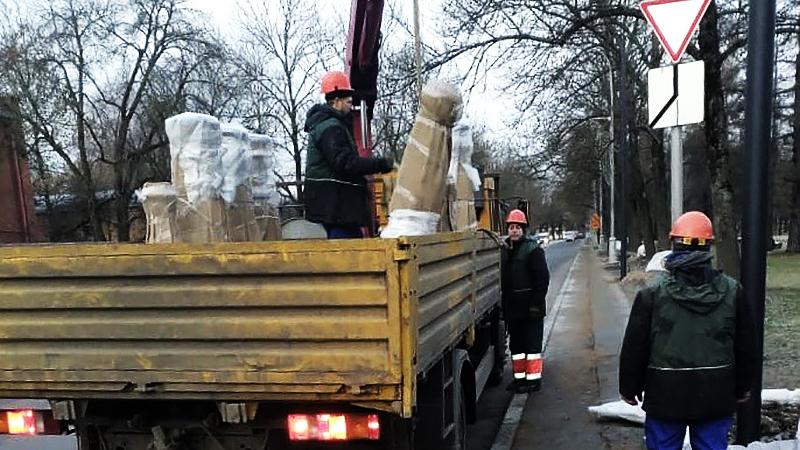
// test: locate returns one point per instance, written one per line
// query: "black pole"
(622, 218)
(758, 111)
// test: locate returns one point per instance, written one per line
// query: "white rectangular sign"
(689, 107)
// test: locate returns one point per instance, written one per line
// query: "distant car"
(543, 238)
(569, 236)
(580, 235)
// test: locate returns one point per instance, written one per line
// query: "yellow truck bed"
(344, 320)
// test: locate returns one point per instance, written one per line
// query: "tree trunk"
(718, 153)
(794, 207)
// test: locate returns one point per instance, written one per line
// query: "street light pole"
(417, 48)
(758, 111)
(612, 241)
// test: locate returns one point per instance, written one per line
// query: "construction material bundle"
(211, 198)
(419, 195)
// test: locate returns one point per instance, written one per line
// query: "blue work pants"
(704, 435)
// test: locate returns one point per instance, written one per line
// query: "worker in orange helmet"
(525, 279)
(336, 192)
(690, 348)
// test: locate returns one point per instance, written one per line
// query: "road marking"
(513, 416)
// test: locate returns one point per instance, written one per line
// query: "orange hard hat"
(516, 216)
(334, 81)
(693, 225)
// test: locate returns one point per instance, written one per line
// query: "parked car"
(543, 238)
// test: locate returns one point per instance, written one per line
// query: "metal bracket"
(242, 412)
(63, 409)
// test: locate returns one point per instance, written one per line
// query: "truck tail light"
(333, 427)
(24, 422)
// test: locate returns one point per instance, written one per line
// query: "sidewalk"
(580, 368)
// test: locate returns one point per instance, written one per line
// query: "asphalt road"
(491, 406)
(494, 400)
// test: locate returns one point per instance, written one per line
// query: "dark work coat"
(525, 279)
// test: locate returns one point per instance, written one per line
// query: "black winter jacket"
(525, 279)
(689, 346)
(335, 187)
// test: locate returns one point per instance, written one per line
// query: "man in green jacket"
(525, 279)
(690, 346)
(336, 192)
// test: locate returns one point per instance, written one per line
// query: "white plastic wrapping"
(262, 177)
(619, 410)
(194, 143)
(408, 222)
(463, 147)
(236, 160)
(155, 190)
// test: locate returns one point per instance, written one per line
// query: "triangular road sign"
(674, 22)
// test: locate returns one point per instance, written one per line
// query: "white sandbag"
(619, 410)
(781, 396)
(236, 160)
(656, 263)
(408, 222)
(194, 144)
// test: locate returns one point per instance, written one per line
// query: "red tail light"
(373, 427)
(333, 427)
(23, 422)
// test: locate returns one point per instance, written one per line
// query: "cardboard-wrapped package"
(422, 179)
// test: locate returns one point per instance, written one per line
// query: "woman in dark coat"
(525, 282)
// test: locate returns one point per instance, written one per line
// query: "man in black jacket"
(689, 346)
(525, 280)
(336, 192)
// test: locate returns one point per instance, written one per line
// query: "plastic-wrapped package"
(159, 201)
(195, 141)
(408, 222)
(463, 180)
(265, 192)
(194, 144)
(236, 190)
(262, 177)
(463, 148)
(235, 155)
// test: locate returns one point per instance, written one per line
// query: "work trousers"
(339, 232)
(525, 343)
(703, 435)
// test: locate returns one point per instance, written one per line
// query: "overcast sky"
(482, 106)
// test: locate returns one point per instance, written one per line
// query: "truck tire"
(460, 432)
(499, 343)
(401, 434)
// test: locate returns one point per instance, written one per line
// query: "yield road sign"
(674, 22)
(675, 95)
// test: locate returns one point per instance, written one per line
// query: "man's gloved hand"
(387, 164)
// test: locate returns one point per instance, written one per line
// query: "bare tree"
(284, 50)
